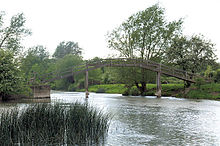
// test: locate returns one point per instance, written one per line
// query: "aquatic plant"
(57, 124)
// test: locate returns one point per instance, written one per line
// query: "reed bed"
(54, 124)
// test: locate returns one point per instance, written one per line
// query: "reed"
(54, 124)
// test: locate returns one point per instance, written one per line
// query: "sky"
(88, 21)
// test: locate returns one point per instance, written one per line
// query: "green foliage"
(134, 92)
(72, 87)
(109, 88)
(217, 75)
(11, 35)
(191, 54)
(199, 82)
(100, 90)
(11, 80)
(67, 62)
(132, 39)
(205, 91)
(209, 73)
(167, 89)
(144, 35)
(171, 80)
(36, 60)
(53, 124)
(65, 48)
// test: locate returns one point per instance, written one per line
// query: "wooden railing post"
(158, 82)
(87, 82)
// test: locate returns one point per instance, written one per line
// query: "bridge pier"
(158, 82)
(40, 91)
(87, 83)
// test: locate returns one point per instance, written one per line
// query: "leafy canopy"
(193, 53)
(10, 75)
(65, 48)
(144, 35)
(11, 36)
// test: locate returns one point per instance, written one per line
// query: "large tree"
(11, 80)
(65, 48)
(36, 59)
(11, 77)
(11, 36)
(192, 54)
(144, 35)
(64, 64)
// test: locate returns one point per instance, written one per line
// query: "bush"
(217, 75)
(72, 87)
(100, 90)
(47, 124)
(131, 91)
(11, 79)
(199, 82)
(126, 92)
(135, 92)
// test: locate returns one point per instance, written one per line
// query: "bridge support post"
(87, 82)
(158, 82)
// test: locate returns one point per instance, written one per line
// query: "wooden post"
(158, 82)
(87, 82)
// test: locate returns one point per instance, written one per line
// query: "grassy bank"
(207, 91)
(58, 124)
(167, 89)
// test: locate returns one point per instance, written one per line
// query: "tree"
(67, 62)
(145, 35)
(65, 48)
(11, 79)
(192, 54)
(11, 36)
(36, 60)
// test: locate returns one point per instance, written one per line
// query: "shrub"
(134, 92)
(100, 90)
(199, 82)
(72, 87)
(126, 92)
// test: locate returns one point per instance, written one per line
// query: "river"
(150, 120)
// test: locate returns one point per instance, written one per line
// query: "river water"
(149, 120)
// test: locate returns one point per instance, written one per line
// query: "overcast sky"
(88, 21)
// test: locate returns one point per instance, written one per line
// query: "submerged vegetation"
(58, 124)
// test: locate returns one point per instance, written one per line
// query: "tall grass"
(58, 124)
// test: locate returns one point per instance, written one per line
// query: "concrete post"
(87, 82)
(158, 82)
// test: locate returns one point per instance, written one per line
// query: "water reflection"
(152, 121)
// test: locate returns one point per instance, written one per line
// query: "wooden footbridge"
(118, 62)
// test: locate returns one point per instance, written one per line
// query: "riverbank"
(207, 91)
(167, 89)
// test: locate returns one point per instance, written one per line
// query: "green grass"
(206, 91)
(167, 89)
(108, 88)
(58, 124)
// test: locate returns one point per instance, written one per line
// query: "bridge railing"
(120, 62)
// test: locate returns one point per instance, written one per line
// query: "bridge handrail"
(117, 61)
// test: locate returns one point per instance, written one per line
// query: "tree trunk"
(142, 89)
